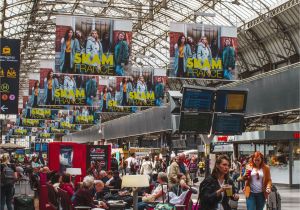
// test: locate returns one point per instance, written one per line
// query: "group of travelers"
(167, 182)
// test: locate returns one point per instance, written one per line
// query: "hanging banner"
(203, 51)
(9, 75)
(45, 136)
(143, 88)
(36, 113)
(19, 132)
(94, 46)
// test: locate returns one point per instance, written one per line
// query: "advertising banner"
(203, 51)
(65, 158)
(142, 88)
(9, 75)
(19, 132)
(94, 46)
(99, 156)
(37, 113)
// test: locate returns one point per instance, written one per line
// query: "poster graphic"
(65, 158)
(94, 46)
(203, 51)
(142, 88)
(37, 113)
(9, 75)
(98, 156)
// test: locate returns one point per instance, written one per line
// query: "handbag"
(164, 206)
(233, 204)
(148, 199)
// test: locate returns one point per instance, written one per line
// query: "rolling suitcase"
(23, 201)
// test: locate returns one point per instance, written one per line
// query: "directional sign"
(3, 108)
(9, 75)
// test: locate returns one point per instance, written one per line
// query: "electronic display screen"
(200, 100)
(20, 151)
(37, 147)
(195, 123)
(44, 147)
(231, 101)
(228, 124)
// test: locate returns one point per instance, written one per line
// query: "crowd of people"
(219, 190)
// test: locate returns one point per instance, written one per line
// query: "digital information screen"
(231, 101)
(37, 147)
(200, 100)
(195, 123)
(228, 124)
(44, 147)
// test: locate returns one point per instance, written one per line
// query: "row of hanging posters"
(92, 72)
(92, 64)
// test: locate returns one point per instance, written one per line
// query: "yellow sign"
(11, 73)
(6, 50)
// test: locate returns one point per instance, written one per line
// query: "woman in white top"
(258, 184)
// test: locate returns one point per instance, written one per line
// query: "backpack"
(8, 175)
(132, 166)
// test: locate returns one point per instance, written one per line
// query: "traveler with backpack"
(217, 191)
(8, 178)
(131, 164)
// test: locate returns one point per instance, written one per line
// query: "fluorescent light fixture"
(204, 14)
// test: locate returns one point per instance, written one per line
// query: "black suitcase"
(23, 201)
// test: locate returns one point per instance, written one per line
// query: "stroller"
(274, 199)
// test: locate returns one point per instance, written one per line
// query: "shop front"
(281, 150)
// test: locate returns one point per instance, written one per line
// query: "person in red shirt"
(67, 184)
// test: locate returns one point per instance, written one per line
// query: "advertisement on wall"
(203, 51)
(9, 75)
(93, 46)
(65, 158)
(99, 156)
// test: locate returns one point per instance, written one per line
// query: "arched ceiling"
(268, 30)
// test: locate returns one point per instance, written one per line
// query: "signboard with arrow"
(9, 75)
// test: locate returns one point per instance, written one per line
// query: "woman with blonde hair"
(258, 182)
(94, 47)
(8, 178)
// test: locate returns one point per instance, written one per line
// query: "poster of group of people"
(203, 51)
(140, 89)
(144, 87)
(94, 46)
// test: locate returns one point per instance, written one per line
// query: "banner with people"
(19, 131)
(93, 46)
(203, 51)
(38, 113)
(145, 87)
